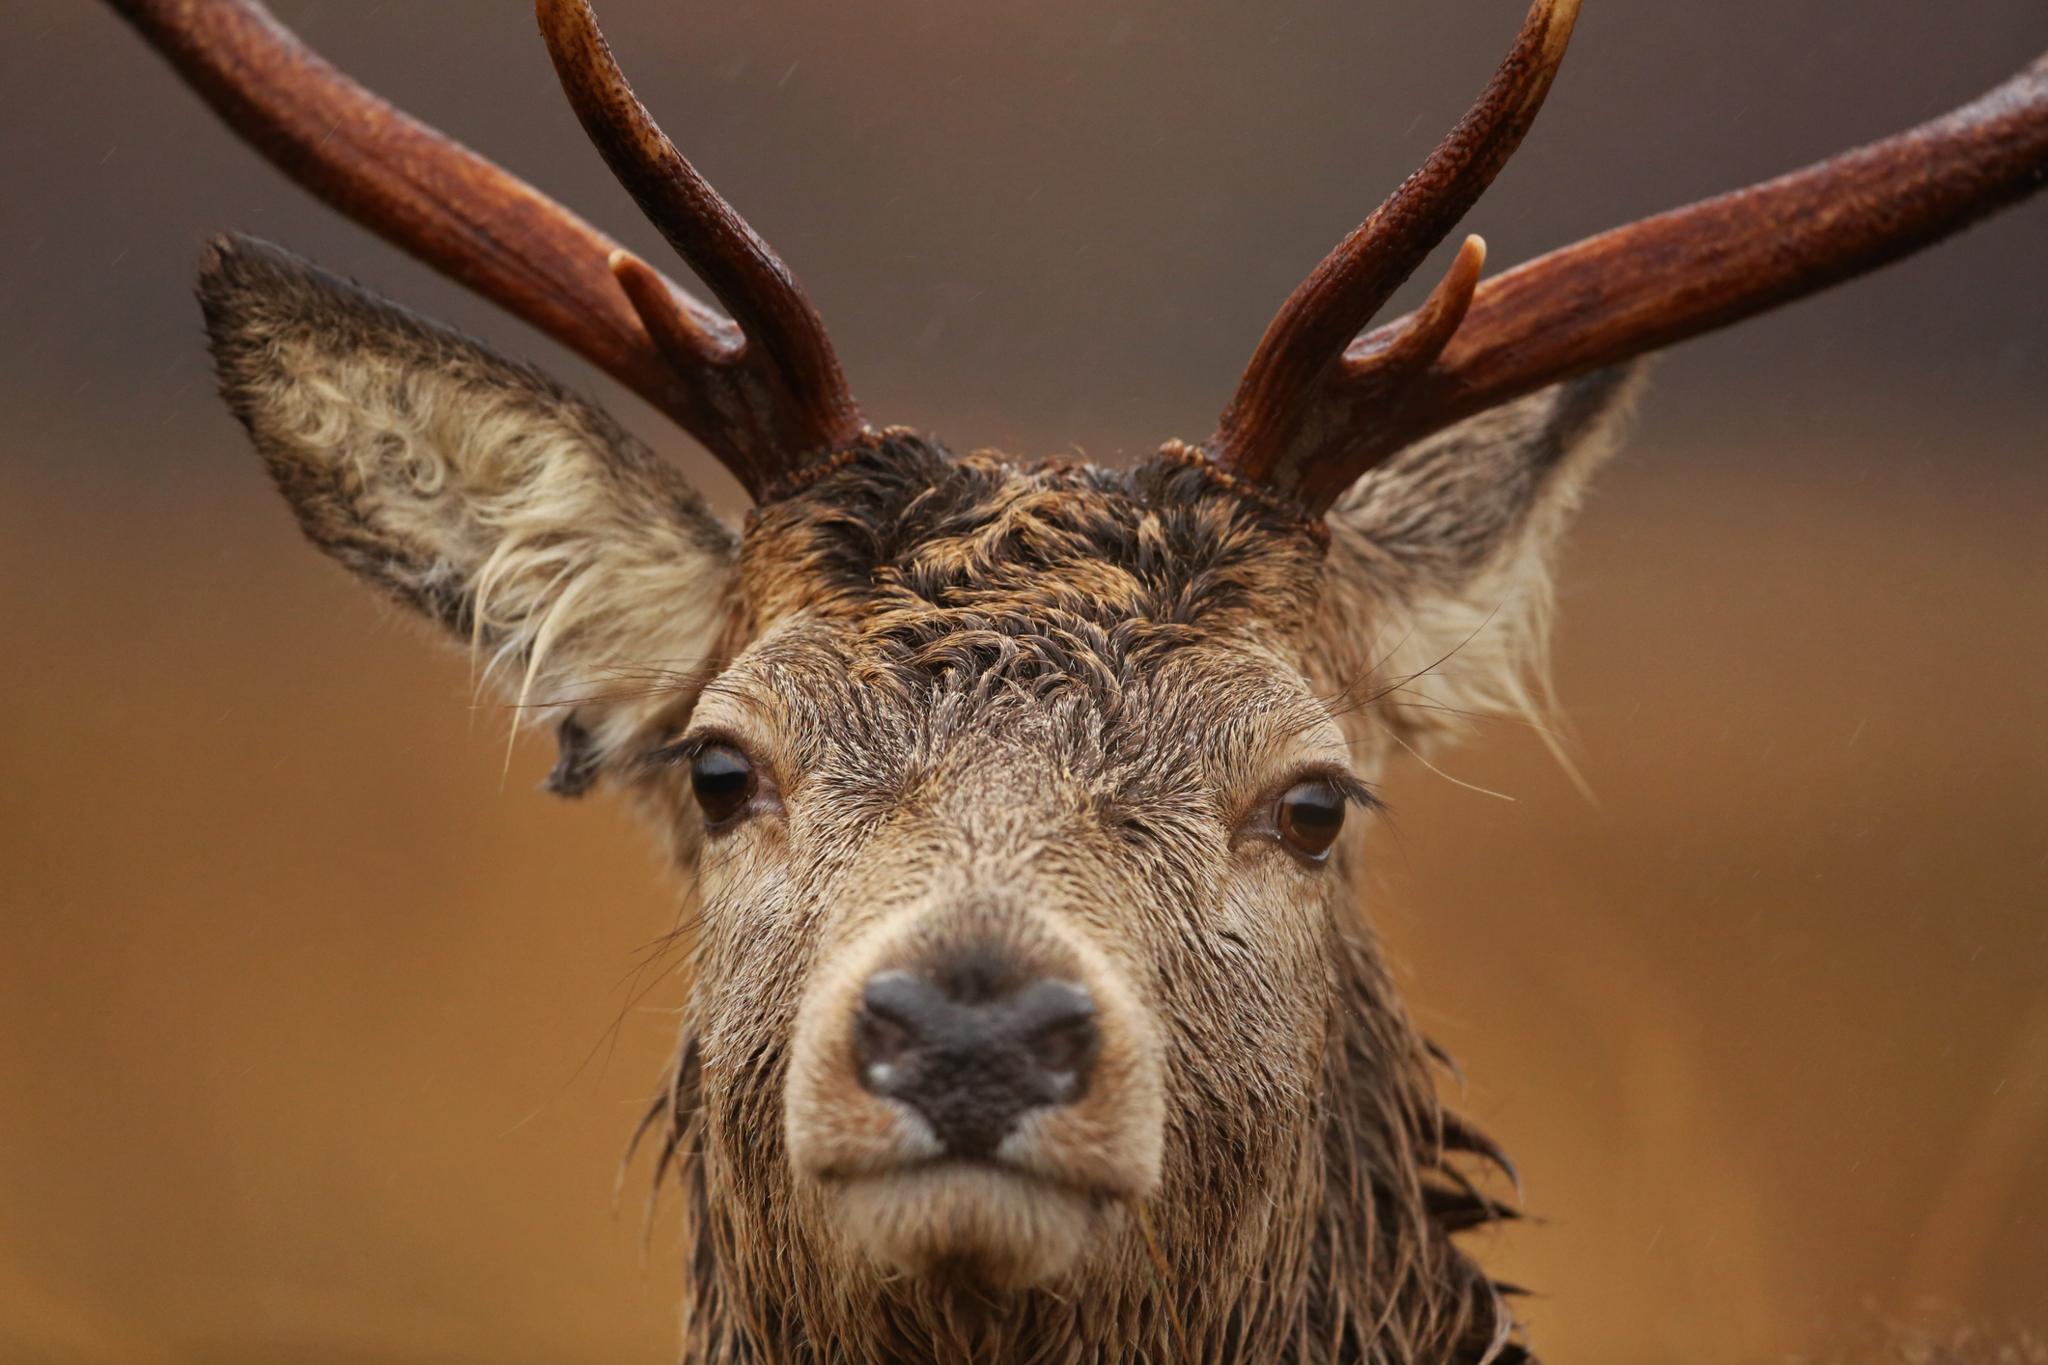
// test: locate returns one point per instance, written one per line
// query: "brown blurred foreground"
(306, 1011)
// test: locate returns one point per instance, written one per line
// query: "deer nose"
(972, 1058)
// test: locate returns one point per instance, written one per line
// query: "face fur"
(1076, 775)
(1017, 727)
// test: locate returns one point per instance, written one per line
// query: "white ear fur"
(588, 575)
(1440, 559)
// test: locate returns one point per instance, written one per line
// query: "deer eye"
(1309, 815)
(723, 780)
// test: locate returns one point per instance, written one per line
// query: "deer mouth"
(1023, 1173)
(989, 1223)
(1019, 1215)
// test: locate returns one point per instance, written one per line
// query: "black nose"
(971, 1050)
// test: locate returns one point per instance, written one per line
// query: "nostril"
(879, 1044)
(1067, 1046)
(895, 1017)
(1056, 1024)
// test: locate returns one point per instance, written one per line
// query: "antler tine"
(485, 228)
(1647, 285)
(798, 391)
(1273, 432)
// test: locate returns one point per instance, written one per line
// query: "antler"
(1316, 409)
(764, 395)
(1275, 431)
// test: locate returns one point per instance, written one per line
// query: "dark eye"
(1309, 816)
(723, 780)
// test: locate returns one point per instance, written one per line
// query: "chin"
(975, 1225)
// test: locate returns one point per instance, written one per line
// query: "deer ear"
(1443, 553)
(590, 576)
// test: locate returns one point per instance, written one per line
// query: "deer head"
(1032, 1012)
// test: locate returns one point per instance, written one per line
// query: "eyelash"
(680, 753)
(676, 752)
(1357, 794)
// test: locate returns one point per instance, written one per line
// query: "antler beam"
(1316, 408)
(764, 395)
(1653, 283)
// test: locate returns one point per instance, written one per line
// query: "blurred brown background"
(306, 1010)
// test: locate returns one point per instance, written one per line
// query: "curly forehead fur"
(975, 565)
(967, 593)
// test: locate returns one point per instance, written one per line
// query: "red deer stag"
(1033, 1016)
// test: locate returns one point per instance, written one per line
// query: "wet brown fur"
(990, 695)
(1073, 589)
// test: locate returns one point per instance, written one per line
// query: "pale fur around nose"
(1026, 1210)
